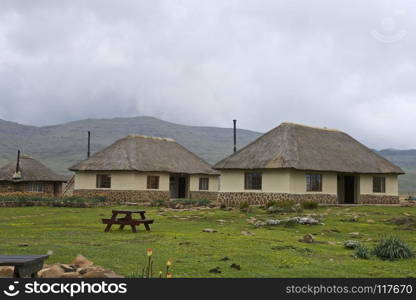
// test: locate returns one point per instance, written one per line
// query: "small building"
(29, 175)
(302, 163)
(140, 168)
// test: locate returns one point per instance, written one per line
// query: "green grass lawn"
(270, 252)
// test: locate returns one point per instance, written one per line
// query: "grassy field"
(270, 252)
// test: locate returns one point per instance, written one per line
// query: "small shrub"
(192, 202)
(362, 252)
(245, 207)
(309, 205)
(286, 206)
(393, 248)
(271, 204)
(159, 203)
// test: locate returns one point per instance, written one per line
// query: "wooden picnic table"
(24, 265)
(127, 220)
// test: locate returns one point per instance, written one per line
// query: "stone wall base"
(125, 196)
(200, 195)
(236, 198)
(379, 199)
(23, 187)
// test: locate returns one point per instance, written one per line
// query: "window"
(203, 183)
(36, 187)
(313, 182)
(103, 181)
(379, 184)
(153, 182)
(252, 181)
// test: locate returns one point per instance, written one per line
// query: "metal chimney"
(235, 135)
(18, 162)
(89, 145)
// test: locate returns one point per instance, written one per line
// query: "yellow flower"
(169, 262)
(169, 275)
(149, 251)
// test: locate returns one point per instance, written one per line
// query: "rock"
(209, 230)
(307, 221)
(248, 233)
(307, 238)
(224, 258)
(54, 271)
(101, 274)
(370, 221)
(356, 234)
(23, 245)
(67, 268)
(90, 269)
(272, 222)
(71, 275)
(222, 221)
(351, 244)
(216, 270)
(6, 272)
(235, 266)
(81, 261)
(332, 243)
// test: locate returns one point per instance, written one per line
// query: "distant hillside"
(63, 145)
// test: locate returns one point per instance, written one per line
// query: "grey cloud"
(325, 63)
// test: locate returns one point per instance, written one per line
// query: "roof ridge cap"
(313, 127)
(150, 137)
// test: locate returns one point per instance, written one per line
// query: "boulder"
(307, 238)
(351, 244)
(6, 272)
(101, 274)
(209, 230)
(71, 275)
(82, 262)
(54, 271)
(68, 268)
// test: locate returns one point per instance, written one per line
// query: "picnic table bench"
(127, 220)
(24, 265)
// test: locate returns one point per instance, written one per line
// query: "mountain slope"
(63, 145)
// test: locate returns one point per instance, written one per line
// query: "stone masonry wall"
(12, 187)
(125, 196)
(236, 198)
(199, 195)
(378, 199)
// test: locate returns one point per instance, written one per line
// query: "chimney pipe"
(89, 145)
(235, 135)
(18, 162)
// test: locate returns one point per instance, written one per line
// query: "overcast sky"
(342, 64)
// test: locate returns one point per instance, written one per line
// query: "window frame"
(204, 183)
(382, 184)
(153, 185)
(31, 188)
(310, 184)
(100, 183)
(253, 181)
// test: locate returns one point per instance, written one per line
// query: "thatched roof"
(145, 154)
(308, 148)
(30, 170)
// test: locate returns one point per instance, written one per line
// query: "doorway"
(349, 189)
(178, 186)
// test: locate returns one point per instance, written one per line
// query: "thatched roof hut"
(294, 146)
(31, 170)
(145, 154)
